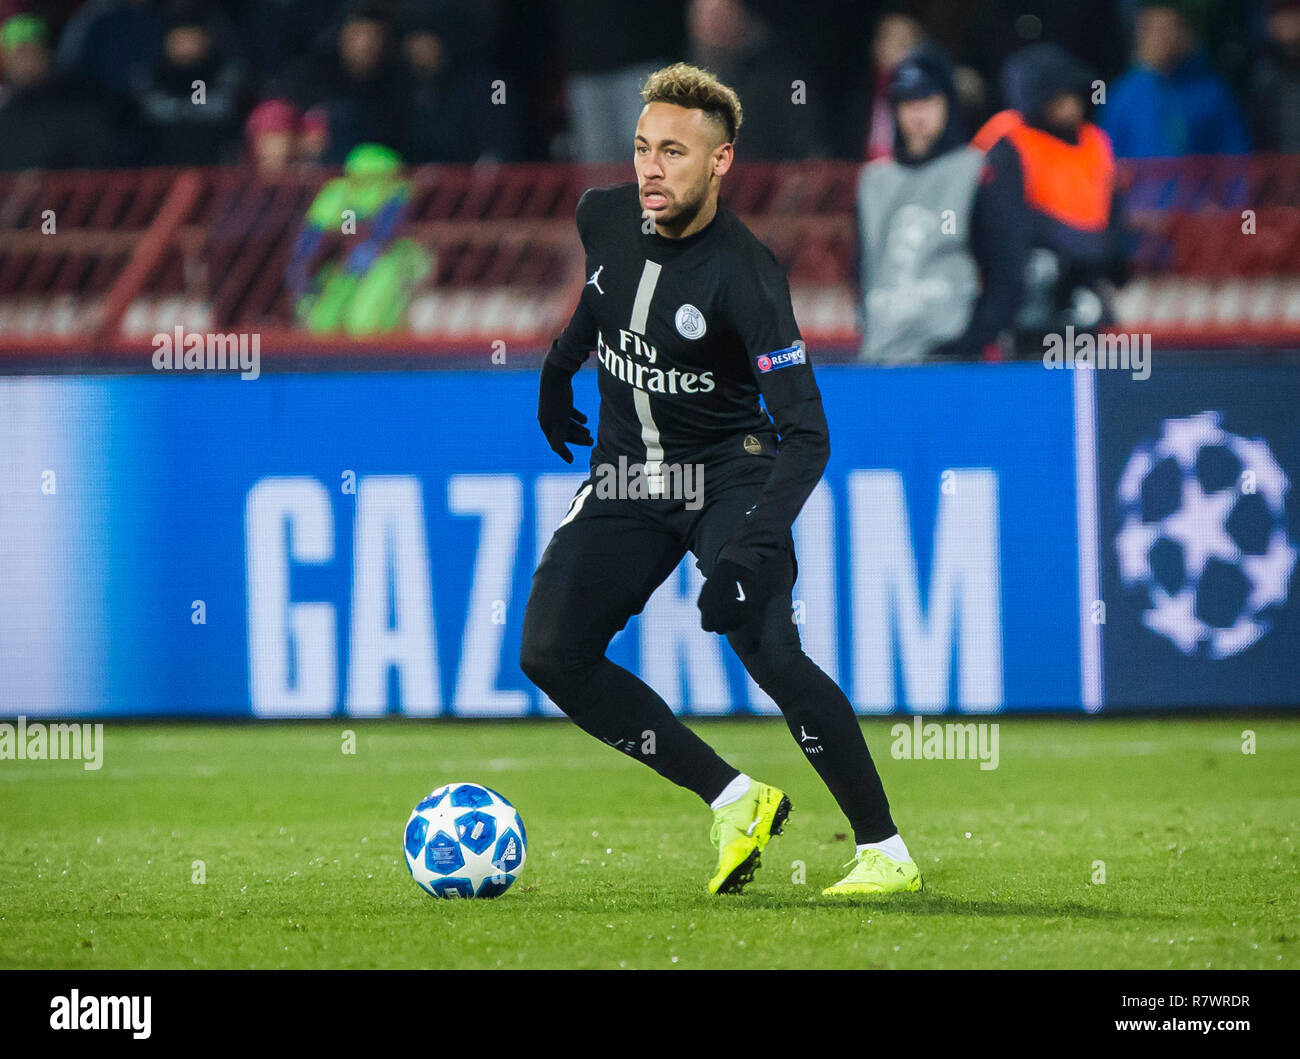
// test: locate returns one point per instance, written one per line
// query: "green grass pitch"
(303, 867)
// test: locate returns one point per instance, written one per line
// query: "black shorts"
(634, 544)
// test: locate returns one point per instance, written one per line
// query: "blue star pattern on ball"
(464, 840)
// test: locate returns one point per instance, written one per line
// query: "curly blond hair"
(684, 85)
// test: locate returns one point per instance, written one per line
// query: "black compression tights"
(567, 627)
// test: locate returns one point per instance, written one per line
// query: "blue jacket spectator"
(1170, 102)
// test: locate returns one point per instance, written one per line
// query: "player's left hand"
(560, 421)
(729, 598)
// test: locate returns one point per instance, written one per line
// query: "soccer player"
(690, 318)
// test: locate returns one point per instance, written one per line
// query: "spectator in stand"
(369, 290)
(271, 137)
(105, 39)
(252, 219)
(359, 82)
(313, 136)
(731, 41)
(46, 121)
(54, 13)
(1077, 239)
(1274, 82)
(609, 51)
(279, 139)
(896, 35)
(943, 233)
(453, 119)
(190, 100)
(1170, 102)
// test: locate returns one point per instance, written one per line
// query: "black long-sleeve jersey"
(688, 334)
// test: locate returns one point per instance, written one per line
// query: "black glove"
(560, 421)
(730, 597)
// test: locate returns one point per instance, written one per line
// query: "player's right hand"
(560, 421)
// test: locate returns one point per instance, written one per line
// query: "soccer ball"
(1205, 535)
(465, 840)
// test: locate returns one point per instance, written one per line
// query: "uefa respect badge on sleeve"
(782, 358)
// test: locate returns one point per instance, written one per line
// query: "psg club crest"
(690, 322)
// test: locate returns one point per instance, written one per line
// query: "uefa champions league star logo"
(1205, 535)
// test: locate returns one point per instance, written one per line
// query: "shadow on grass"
(808, 901)
(929, 903)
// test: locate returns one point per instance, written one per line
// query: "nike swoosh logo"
(740, 593)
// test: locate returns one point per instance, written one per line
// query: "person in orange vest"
(1078, 243)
